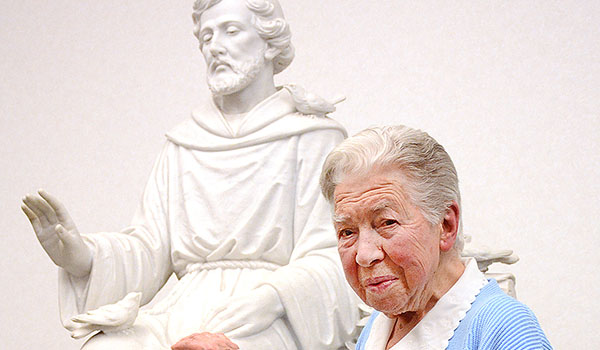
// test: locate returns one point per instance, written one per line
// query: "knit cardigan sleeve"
(505, 323)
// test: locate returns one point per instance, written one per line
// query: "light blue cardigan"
(494, 322)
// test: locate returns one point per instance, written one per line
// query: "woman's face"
(389, 251)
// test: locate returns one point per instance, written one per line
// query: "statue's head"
(240, 39)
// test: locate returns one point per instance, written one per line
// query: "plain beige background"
(511, 88)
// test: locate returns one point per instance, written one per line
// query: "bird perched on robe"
(108, 318)
(309, 103)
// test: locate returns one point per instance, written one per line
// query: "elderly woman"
(397, 217)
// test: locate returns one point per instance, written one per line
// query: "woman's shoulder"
(501, 322)
(492, 305)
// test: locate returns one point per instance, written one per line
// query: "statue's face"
(233, 50)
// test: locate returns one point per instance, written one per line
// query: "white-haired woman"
(397, 217)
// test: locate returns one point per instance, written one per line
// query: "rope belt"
(193, 269)
(232, 264)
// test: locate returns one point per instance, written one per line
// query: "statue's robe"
(228, 213)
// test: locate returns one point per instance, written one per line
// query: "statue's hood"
(274, 118)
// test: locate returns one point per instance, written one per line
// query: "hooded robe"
(228, 212)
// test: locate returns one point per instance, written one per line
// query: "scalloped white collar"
(437, 327)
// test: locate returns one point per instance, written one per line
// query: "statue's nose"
(216, 48)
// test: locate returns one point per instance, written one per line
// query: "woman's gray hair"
(268, 21)
(432, 179)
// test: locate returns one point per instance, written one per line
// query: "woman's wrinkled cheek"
(350, 268)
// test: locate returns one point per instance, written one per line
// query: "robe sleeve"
(318, 303)
(135, 259)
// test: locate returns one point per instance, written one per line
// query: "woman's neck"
(449, 270)
(403, 324)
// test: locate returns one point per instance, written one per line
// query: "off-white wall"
(511, 88)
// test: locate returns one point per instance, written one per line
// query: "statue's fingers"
(68, 238)
(225, 323)
(35, 206)
(45, 209)
(60, 210)
(213, 315)
(240, 332)
(33, 219)
(215, 324)
(226, 343)
(221, 319)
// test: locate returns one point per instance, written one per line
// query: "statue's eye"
(232, 30)
(206, 37)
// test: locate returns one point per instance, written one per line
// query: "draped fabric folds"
(228, 212)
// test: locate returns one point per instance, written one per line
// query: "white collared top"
(437, 327)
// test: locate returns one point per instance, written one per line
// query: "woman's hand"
(205, 341)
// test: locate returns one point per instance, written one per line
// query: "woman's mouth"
(379, 284)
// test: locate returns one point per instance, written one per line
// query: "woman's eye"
(389, 222)
(345, 233)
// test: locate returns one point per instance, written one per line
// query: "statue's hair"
(431, 175)
(268, 21)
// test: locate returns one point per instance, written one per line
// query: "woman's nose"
(369, 250)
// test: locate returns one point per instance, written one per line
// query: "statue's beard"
(244, 74)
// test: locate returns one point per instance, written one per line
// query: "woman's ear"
(450, 227)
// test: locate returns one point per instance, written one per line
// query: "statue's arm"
(136, 259)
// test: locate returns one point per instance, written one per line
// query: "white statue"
(486, 256)
(232, 207)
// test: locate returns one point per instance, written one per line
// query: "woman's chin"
(388, 305)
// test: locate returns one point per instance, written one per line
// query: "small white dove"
(108, 318)
(309, 103)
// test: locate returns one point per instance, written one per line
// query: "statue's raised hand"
(57, 233)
